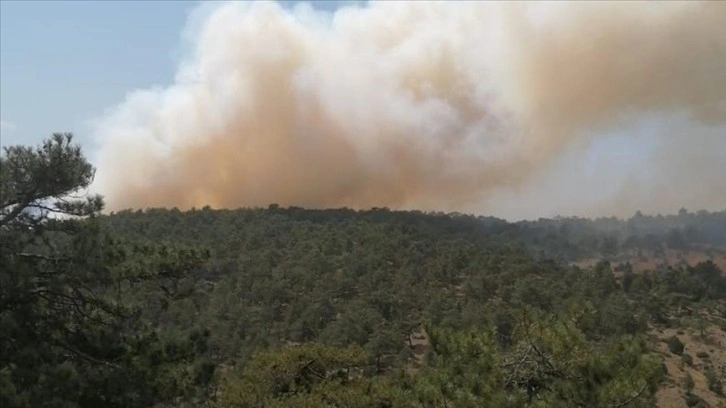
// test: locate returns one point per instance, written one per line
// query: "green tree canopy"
(70, 331)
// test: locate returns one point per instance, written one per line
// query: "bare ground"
(713, 344)
(648, 261)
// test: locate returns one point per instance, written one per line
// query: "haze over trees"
(278, 307)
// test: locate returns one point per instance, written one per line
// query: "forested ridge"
(568, 239)
(293, 307)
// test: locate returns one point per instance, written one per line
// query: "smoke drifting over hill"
(440, 105)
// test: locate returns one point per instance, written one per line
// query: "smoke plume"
(432, 105)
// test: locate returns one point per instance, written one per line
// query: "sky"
(63, 63)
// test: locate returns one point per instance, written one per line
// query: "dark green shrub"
(714, 382)
(687, 359)
(693, 401)
(675, 345)
(702, 355)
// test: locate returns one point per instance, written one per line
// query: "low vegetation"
(281, 307)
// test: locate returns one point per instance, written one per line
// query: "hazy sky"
(62, 63)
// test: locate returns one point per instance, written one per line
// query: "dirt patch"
(419, 343)
(670, 396)
(712, 346)
(650, 260)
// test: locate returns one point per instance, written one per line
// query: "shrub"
(702, 355)
(687, 359)
(675, 345)
(688, 382)
(714, 382)
(693, 401)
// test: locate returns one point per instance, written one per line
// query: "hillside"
(280, 307)
(381, 279)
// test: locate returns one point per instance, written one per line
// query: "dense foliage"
(371, 279)
(70, 332)
(308, 308)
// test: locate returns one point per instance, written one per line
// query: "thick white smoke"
(434, 105)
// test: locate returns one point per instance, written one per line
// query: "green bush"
(687, 359)
(693, 401)
(702, 355)
(675, 345)
(714, 382)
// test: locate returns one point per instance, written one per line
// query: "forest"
(293, 307)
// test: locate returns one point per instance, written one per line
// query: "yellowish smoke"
(406, 104)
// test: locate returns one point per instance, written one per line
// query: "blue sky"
(63, 63)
